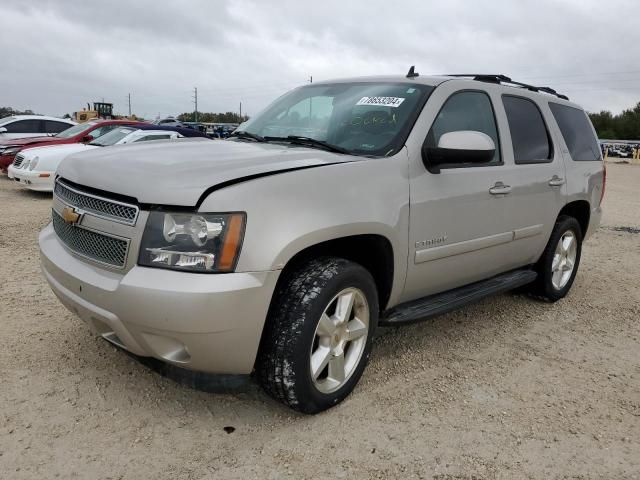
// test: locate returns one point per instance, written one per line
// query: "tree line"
(209, 117)
(8, 112)
(624, 126)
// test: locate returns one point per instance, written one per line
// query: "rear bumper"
(594, 221)
(34, 180)
(210, 323)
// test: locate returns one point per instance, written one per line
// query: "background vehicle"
(81, 133)
(99, 110)
(169, 122)
(21, 126)
(343, 205)
(35, 167)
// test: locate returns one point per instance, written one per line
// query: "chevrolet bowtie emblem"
(70, 216)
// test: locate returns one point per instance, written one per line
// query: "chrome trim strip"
(435, 253)
(526, 232)
(96, 213)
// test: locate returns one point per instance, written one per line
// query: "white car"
(35, 167)
(22, 126)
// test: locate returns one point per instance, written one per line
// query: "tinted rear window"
(577, 132)
(529, 134)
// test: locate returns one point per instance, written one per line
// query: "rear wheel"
(318, 336)
(558, 265)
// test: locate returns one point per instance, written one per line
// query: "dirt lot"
(508, 388)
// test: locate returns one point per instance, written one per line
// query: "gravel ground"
(508, 388)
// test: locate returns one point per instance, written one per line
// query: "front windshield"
(75, 130)
(362, 118)
(113, 137)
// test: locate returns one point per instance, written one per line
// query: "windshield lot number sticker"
(393, 102)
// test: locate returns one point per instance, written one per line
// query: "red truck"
(83, 132)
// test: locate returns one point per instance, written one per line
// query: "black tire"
(543, 286)
(283, 367)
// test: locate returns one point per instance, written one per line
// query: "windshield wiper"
(244, 134)
(309, 142)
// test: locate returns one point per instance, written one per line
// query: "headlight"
(25, 164)
(195, 242)
(33, 163)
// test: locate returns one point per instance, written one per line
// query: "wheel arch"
(581, 211)
(373, 251)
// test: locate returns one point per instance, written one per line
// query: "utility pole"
(195, 99)
(311, 79)
(129, 105)
(240, 112)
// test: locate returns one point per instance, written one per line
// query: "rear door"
(536, 176)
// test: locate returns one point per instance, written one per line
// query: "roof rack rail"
(503, 79)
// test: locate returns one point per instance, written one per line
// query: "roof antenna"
(412, 72)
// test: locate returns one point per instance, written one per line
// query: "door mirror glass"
(465, 146)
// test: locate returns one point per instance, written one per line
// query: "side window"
(577, 132)
(467, 110)
(24, 126)
(529, 134)
(51, 126)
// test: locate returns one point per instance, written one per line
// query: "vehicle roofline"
(437, 80)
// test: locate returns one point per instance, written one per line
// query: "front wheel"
(318, 336)
(558, 265)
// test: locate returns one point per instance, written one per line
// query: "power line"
(590, 74)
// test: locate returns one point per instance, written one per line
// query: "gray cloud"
(59, 55)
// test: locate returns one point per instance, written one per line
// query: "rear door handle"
(556, 181)
(500, 189)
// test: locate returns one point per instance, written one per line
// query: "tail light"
(604, 180)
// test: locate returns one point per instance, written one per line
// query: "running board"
(444, 302)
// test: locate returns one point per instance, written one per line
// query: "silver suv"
(344, 205)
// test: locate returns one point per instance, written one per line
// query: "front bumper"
(209, 323)
(33, 180)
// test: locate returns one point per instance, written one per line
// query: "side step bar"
(444, 302)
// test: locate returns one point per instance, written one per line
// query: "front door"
(458, 227)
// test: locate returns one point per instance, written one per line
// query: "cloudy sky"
(57, 55)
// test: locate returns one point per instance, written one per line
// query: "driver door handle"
(556, 181)
(500, 189)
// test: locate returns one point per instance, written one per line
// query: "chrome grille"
(90, 244)
(101, 207)
(18, 160)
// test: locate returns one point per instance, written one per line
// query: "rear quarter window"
(51, 126)
(577, 132)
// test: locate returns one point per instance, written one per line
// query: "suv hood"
(178, 172)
